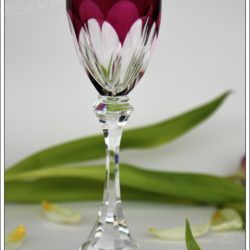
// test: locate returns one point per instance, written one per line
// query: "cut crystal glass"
(114, 40)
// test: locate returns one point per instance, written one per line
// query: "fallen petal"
(178, 233)
(60, 214)
(226, 219)
(14, 239)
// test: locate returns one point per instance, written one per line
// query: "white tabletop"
(43, 234)
(199, 54)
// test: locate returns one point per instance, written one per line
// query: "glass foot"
(110, 231)
(109, 245)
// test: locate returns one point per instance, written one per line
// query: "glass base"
(99, 245)
(111, 231)
(127, 246)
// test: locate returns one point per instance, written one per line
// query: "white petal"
(60, 214)
(110, 43)
(151, 35)
(15, 239)
(149, 46)
(178, 233)
(83, 44)
(95, 38)
(87, 55)
(132, 45)
(226, 219)
(133, 37)
(74, 38)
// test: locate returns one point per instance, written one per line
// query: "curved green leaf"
(92, 147)
(191, 244)
(86, 183)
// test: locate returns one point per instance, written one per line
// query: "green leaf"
(191, 244)
(70, 183)
(169, 130)
(92, 147)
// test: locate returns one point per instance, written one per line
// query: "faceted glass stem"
(110, 231)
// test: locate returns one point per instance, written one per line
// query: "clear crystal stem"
(111, 231)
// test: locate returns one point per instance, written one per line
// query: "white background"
(199, 54)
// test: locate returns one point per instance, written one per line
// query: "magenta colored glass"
(121, 14)
(124, 26)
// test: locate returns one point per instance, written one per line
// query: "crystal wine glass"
(114, 41)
